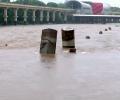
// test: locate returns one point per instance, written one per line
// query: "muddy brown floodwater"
(93, 73)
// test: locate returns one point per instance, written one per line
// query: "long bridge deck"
(77, 18)
(67, 14)
(13, 5)
(41, 9)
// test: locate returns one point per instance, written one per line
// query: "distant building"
(89, 8)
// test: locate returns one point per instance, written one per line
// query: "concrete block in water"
(106, 29)
(68, 38)
(72, 50)
(87, 37)
(100, 32)
(109, 28)
(48, 41)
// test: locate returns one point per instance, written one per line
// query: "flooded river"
(93, 73)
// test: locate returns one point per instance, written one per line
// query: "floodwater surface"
(92, 73)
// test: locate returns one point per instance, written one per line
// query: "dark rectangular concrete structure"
(48, 41)
(68, 38)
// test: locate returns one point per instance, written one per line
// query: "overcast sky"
(111, 2)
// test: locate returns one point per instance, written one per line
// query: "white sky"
(111, 2)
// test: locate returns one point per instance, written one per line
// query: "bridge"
(78, 18)
(51, 14)
(41, 9)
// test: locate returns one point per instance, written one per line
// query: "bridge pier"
(25, 16)
(119, 20)
(111, 20)
(33, 16)
(53, 16)
(65, 17)
(15, 16)
(48, 16)
(60, 15)
(5, 16)
(41, 16)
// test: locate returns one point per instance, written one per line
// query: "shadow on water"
(48, 60)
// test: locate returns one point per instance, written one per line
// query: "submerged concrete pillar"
(48, 16)
(33, 16)
(5, 16)
(41, 15)
(53, 17)
(68, 38)
(48, 41)
(25, 16)
(15, 16)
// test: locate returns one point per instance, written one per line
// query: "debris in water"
(106, 29)
(100, 32)
(87, 37)
(109, 28)
(6, 45)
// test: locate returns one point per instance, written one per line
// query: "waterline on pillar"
(15, 22)
(25, 22)
(5, 23)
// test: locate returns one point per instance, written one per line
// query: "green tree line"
(115, 10)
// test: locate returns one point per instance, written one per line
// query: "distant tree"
(73, 4)
(115, 10)
(52, 4)
(5, 0)
(62, 5)
(38, 3)
(31, 2)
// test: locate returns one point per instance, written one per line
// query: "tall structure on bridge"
(95, 8)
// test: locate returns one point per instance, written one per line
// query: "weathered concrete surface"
(48, 41)
(93, 73)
